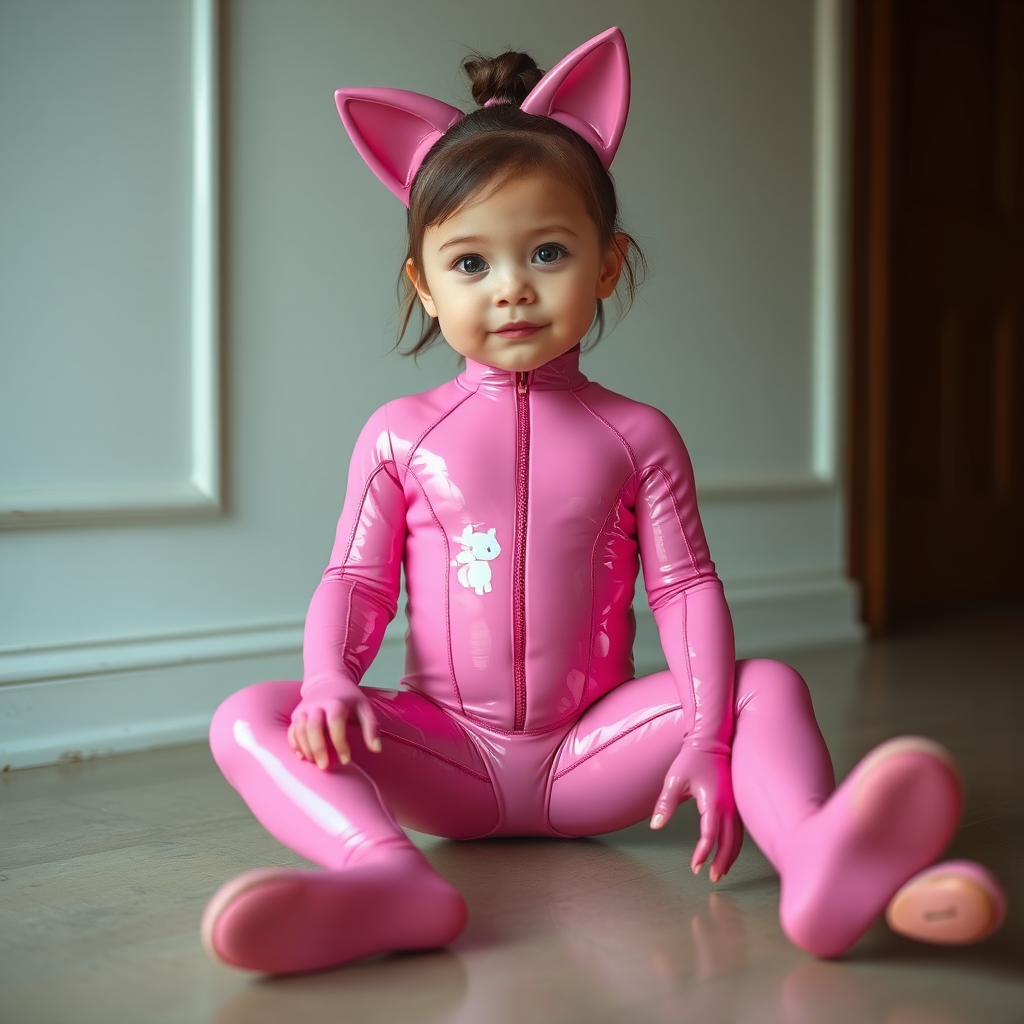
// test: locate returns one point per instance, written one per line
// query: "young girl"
(521, 499)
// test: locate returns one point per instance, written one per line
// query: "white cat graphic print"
(477, 550)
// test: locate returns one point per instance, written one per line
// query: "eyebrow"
(547, 229)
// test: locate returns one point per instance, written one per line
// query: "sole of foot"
(952, 904)
(289, 921)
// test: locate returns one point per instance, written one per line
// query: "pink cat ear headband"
(588, 92)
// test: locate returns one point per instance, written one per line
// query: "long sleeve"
(697, 637)
(685, 594)
(358, 594)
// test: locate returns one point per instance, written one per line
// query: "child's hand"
(319, 719)
(706, 777)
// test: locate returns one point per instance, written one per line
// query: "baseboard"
(71, 702)
(52, 662)
(794, 612)
(775, 614)
(76, 718)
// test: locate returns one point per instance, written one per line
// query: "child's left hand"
(707, 778)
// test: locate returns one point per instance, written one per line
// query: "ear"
(611, 266)
(419, 282)
(393, 129)
(588, 91)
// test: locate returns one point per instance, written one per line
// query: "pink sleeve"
(684, 591)
(358, 594)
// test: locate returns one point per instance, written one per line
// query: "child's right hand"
(321, 719)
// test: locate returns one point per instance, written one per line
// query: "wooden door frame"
(868, 482)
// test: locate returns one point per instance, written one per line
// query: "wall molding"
(774, 614)
(72, 701)
(769, 486)
(825, 320)
(50, 662)
(200, 494)
(797, 611)
(827, 243)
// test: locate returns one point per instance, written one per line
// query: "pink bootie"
(892, 817)
(954, 903)
(287, 921)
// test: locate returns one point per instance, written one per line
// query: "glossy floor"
(105, 867)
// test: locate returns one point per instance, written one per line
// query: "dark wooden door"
(938, 484)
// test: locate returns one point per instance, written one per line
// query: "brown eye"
(548, 254)
(471, 264)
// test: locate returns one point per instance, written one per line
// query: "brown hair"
(497, 144)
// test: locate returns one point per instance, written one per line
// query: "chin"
(524, 365)
(526, 358)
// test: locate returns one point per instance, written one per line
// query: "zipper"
(519, 548)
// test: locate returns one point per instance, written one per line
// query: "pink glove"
(323, 714)
(344, 627)
(696, 635)
(705, 777)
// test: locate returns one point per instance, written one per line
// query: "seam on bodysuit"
(439, 757)
(679, 519)
(484, 724)
(419, 440)
(381, 467)
(622, 440)
(391, 444)
(655, 466)
(348, 629)
(593, 585)
(597, 750)
(577, 394)
(447, 550)
(686, 652)
(447, 593)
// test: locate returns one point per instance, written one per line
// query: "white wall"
(140, 581)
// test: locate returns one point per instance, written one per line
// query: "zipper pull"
(522, 385)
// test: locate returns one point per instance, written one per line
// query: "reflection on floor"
(105, 867)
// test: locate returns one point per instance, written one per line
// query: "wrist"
(707, 745)
(330, 685)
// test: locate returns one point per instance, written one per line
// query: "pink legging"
(445, 776)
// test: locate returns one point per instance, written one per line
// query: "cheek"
(583, 298)
(459, 310)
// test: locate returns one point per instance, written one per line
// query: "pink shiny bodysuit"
(521, 507)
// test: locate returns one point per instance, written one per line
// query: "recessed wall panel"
(96, 252)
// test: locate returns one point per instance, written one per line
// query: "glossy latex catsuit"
(521, 507)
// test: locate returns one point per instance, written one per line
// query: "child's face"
(514, 278)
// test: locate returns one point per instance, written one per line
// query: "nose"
(513, 288)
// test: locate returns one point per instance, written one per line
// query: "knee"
(761, 679)
(256, 707)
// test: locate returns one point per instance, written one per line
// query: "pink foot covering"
(953, 904)
(891, 818)
(286, 921)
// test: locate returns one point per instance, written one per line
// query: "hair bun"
(507, 78)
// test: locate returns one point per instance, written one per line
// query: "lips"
(518, 329)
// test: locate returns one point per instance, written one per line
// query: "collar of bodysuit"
(561, 374)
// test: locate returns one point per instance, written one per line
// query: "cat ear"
(588, 91)
(393, 129)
